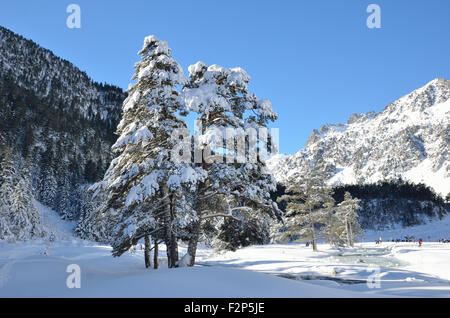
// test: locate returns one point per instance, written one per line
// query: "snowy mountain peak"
(435, 92)
(410, 138)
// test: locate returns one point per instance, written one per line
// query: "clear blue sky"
(315, 60)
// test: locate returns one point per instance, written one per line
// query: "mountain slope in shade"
(56, 121)
(49, 77)
(410, 139)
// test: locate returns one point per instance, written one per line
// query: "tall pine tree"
(143, 184)
(347, 214)
(309, 204)
(230, 146)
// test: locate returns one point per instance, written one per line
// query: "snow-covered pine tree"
(69, 197)
(347, 215)
(331, 231)
(309, 204)
(233, 234)
(235, 184)
(20, 219)
(7, 173)
(8, 177)
(144, 182)
(63, 199)
(47, 186)
(5, 232)
(92, 224)
(25, 219)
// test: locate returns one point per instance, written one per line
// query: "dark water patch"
(343, 281)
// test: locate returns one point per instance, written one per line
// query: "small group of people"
(411, 239)
(408, 239)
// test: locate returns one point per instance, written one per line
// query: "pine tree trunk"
(169, 248)
(313, 234)
(351, 234)
(155, 255)
(174, 253)
(173, 238)
(196, 227)
(314, 245)
(168, 235)
(193, 242)
(148, 262)
(348, 233)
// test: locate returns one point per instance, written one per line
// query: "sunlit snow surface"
(38, 269)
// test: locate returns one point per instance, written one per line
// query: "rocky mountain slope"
(50, 77)
(410, 139)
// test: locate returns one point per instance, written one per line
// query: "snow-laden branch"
(222, 214)
(225, 215)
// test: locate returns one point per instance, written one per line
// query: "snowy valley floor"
(38, 269)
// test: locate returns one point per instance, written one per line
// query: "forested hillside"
(56, 122)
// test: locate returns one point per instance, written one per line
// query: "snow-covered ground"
(38, 269)
(403, 269)
(27, 273)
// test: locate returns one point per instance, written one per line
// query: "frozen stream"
(345, 266)
(378, 256)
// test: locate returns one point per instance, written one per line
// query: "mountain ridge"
(409, 138)
(94, 101)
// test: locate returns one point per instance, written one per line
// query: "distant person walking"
(420, 242)
(378, 241)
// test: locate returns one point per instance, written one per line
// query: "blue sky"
(315, 60)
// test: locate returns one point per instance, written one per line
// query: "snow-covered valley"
(38, 268)
(379, 177)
